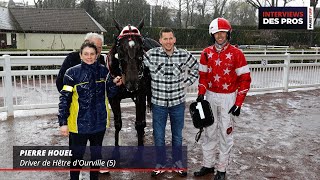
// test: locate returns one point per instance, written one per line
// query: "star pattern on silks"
(210, 84)
(216, 77)
(226, 71)
(210, 69)
(225, 86)
(210, 55)
(228, 56)
(218, 62)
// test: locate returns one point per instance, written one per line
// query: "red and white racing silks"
(225, 72)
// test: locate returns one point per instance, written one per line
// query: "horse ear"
(141, 23)
(118, 26)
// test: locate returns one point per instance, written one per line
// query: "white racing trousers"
(218, 138)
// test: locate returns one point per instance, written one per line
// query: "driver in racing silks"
(224, 80)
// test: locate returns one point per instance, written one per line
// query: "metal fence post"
(29, 54)
(286, 72)
(316, 53)
(8, 86)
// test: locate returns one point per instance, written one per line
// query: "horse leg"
(115, 105)
(140, 123)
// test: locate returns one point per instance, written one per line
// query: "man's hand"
(200, 98)
(64, 130)
(235, 110)
(117, 80)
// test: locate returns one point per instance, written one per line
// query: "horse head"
(129, 48)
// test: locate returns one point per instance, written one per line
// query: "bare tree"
(113, 8)
(55, 3)
(187, 3)
(193, 2)
(218, 7)
(131, 11)
(161, 17)
(59, 3)
(202, 7)
(179, 14)
(91, 8)
(267, 3)
(38, 3)
(189, 12)
(241, 13)
(314, 3)
(285, 2)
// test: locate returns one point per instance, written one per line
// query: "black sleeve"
(66, 98)
(71, 60)
(101, 59)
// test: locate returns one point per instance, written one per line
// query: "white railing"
(274, 51)
(37, 53)
(251, 50)
(31, 89)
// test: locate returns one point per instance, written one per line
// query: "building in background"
(31, 28)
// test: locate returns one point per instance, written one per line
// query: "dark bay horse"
(125, 59)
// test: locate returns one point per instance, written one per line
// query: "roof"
(54, 20)
(7, 22)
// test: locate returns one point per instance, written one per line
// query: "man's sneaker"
(220, 176)
(81, 177)
(204, 171)
(179, 169)
(158, 170)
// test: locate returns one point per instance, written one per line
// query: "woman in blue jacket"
(82, 107)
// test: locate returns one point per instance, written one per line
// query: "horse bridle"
(141, 67)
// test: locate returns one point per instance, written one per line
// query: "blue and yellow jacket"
(83, 98)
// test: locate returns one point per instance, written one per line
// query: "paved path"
(276, 137)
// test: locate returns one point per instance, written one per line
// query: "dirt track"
(276, 137)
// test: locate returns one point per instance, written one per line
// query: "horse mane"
(149, 43)
(113, 62)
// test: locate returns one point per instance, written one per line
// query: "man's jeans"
(159, 121)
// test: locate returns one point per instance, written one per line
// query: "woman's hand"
(117, 80)
(64, 130)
